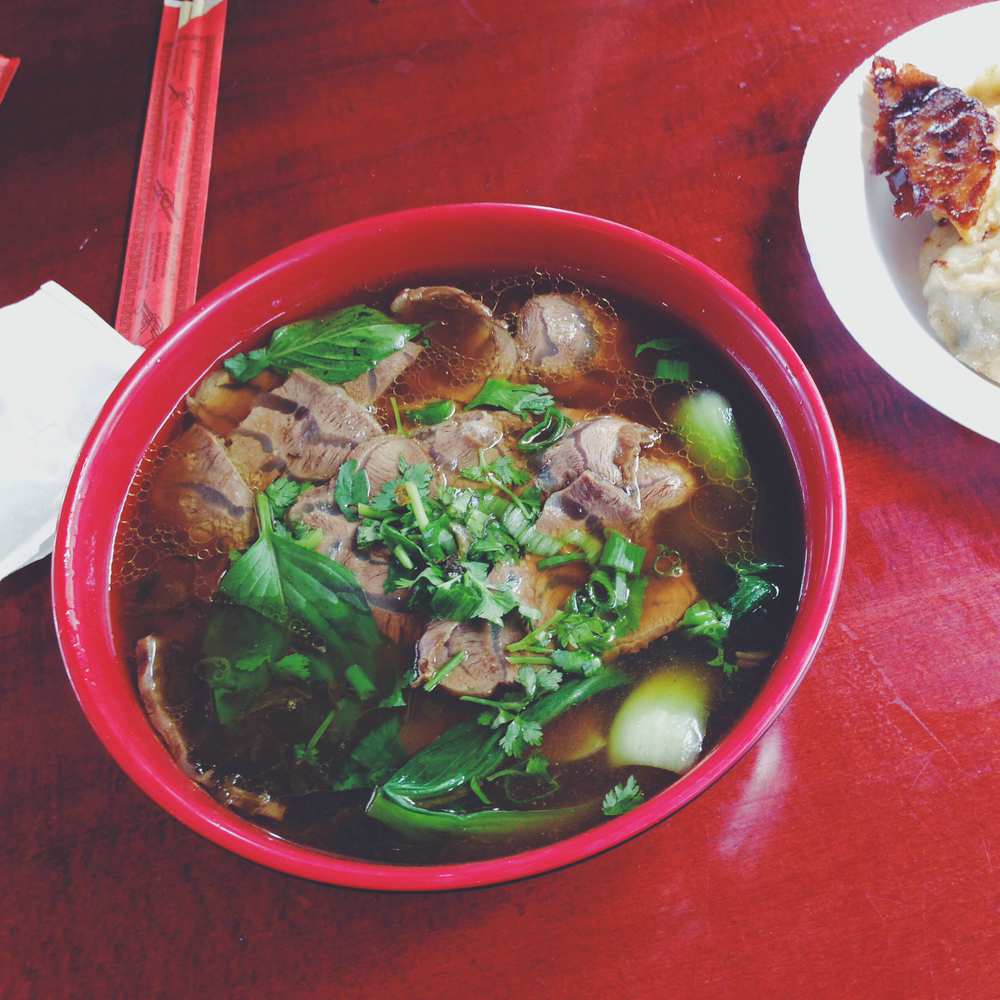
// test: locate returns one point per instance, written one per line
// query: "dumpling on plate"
(938, 147)
(961, 283)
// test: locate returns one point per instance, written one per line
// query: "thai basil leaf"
(432, 413)
(334, 348)
(514, 397)
(287, 583)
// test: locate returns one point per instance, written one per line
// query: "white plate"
(866, 258)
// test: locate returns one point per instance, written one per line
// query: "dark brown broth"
(164, 584)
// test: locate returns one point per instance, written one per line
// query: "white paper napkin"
(61, 361)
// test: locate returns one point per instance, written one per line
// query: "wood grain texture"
(854, 852)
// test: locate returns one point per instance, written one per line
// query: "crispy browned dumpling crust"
(933, 143)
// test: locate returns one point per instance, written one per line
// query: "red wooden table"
(854, 852)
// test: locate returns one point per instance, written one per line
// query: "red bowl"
(326, 269)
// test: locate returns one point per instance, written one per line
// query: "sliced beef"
(663, 483)
(484, 346)
(220, 403)
(485, 666)
(590, 503)
(558, 334)
(544, 590)
(305, 428)
(606, 446)
(454, 444)
(230, 794)
(165, 695)
(315, 509)
(370, 385)
(198, 490)
(663, 605)
(380, 456)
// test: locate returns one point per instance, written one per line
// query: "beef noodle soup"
(451, 572)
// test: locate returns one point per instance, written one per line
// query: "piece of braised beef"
(370, 385)
(559, 334)
(305, 429)
(200, 491)
(485, 666)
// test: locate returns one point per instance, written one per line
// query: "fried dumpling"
(938, 148)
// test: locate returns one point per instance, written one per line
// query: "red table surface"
(854, 852)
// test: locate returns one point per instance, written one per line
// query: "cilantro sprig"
(444, 544)
(622, 798)
(712, 621)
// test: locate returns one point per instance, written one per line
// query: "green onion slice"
(621, 554)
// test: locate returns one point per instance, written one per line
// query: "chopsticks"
(163, 253)
(8, 67)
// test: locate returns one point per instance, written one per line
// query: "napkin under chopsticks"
(43, 420)
(168, 211)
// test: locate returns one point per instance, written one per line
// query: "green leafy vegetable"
(287, 583)
(427, 824)
(501, 471)
(672, 370)
(237, 649)
(532, 772)
(463, 752)
(712, 621)
(576, 661)
(395, 699)
(244, 367)
(752, 590)
(470, 751)
(282, 493)
(512, 396)
(622, 798)
(444, 546)
(432, 413)
(293, 665)
(572, 693)
(665, 344)
(350, 489)
(334, 348)
(374, 757)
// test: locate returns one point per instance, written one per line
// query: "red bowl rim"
(80, 569)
